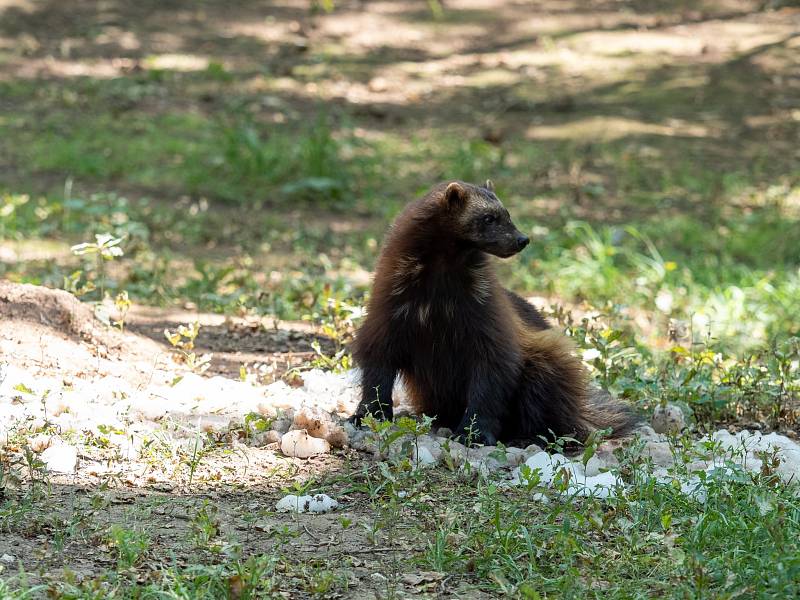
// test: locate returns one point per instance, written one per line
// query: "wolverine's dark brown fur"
(472, 354)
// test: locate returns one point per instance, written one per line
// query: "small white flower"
(591, 354)
(664, 301)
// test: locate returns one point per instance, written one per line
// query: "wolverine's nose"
(522, 241)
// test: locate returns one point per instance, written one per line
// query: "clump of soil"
(43, 328)
(40, 306)
(44, 331)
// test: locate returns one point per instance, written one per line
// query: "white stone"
(279, 396)
(458, 452)
(743, 446)
(659, 452)
(283, 421)
(549, 466)
(299, 444)
(363, 440)
(515, 456)
(668, 419)
(599, 486)
(149, 408)
(648, 433)
(318, 503)
(60, 458)
(664, 301)
(593, 466)
(539, 462)
(531, 450)
(422, 457)
(591, 354)
(7, 558)
(789, 451)
(694, 489)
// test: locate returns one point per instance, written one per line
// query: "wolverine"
(473, 355)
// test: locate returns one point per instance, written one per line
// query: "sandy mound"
(45, 331)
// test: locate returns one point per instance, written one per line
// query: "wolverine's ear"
(455, 195)
(489, 185)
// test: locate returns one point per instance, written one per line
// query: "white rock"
(515, 456)
(7, 558)
(60, 458)
(458, 452)
(487, 459)
(599, 486)
(789, 452)
(149, 408)
(363, 440)
(593, 466)
(422, 457)
(540, 497)
(668, 419)
(648, 433)
(606, 450)
(281, 396)
(318, 503)
(301, 445)
(743, 446)
(541, 461)
(320, 424)
(531, 450)
(283, 421)
(694, 488)
(660, 453)
(549, 466)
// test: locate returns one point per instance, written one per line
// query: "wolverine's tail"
(603, 411)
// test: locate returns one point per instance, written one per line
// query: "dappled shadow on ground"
(169, 526)
(604, 111)
(236, 344)
(547, 74)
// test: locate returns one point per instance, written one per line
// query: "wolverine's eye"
(489, 219)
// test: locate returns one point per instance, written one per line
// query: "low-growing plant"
(106, 247)
(129, 545)
(182, 342)
(205, 527)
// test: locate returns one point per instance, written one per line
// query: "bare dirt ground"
(52, 330)
(46, 333)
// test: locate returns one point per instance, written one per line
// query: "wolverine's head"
(481, 220)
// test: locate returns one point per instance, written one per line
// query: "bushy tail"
(603, 411)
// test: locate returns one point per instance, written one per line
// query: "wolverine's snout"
(522, 241)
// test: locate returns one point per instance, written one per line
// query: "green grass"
(651, 540)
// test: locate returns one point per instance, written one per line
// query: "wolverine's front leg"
(376, 393)
(488, 405)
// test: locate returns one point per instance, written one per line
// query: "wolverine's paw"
(355, 420)
(380, 414)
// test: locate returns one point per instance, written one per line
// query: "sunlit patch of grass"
(229, 155)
